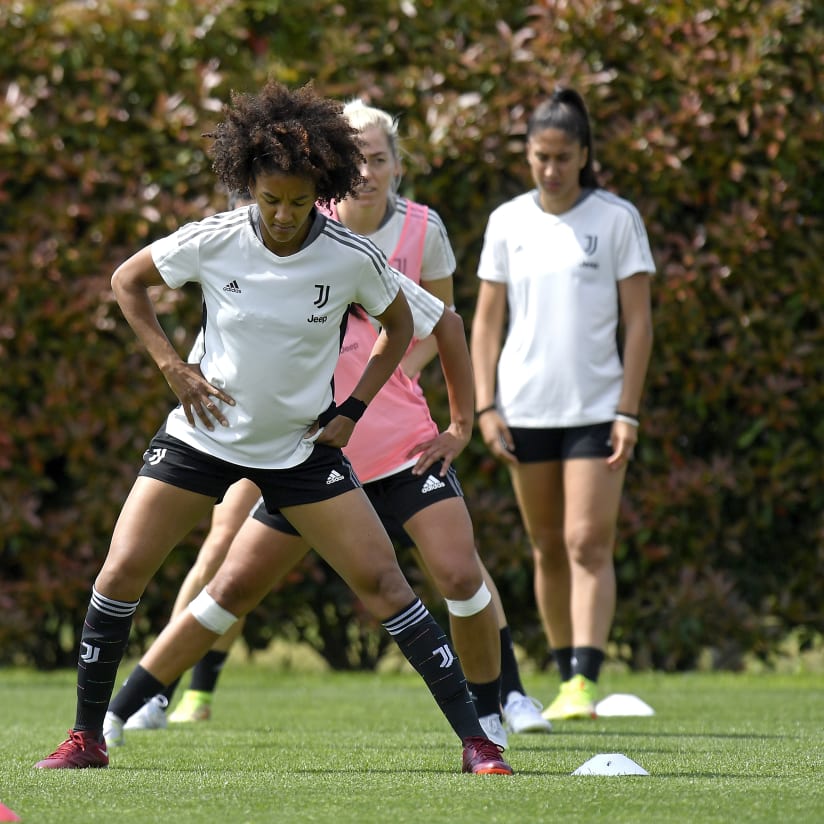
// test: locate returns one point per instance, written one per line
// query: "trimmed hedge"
(709, 120)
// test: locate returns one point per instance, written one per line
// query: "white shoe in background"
(523, 714)
(151, 716)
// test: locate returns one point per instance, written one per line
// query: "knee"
(467, 607)
(123, 580)
(235, 594)
(549, 550)
(459, 583)
(589, 548)
(210, 614)
(385, 591)
(391, 585)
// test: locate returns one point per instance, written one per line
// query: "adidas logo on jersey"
(232, 287)
(431, 484)
(334, 477)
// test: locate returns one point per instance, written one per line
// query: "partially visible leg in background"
(521, 712)
(228, 516)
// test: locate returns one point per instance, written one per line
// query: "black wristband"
(351, 408)
(485, 410)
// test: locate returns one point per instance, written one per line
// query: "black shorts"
(325, 474)
(536, 445)
(395, 498)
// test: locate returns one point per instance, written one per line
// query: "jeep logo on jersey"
(323, 295)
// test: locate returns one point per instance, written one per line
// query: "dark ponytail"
(566, 110)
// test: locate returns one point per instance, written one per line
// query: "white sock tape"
(210, 614)
(473, 605)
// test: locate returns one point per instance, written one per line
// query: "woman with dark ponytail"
(569, 264)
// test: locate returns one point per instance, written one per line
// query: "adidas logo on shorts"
(431, 484)
(334, 477)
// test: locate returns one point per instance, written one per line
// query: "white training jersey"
(560, 365)
(425, 308)
(438, 257)
(272, 327)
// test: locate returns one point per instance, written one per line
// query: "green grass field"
(330, 747)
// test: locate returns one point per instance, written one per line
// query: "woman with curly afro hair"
(277, 279)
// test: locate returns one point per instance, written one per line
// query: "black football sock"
(426, 647)
(102, 644)
(207, 670)
(140, 687)
(563, 660)
(510, 674)
(487, 697)
(587, 661)
(170, 691)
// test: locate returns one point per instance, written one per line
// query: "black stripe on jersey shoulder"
(340, 234)
(424, 305)
(220, 222)
(616, 200)
(433, 219)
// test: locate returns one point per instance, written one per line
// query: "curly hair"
(294, 132)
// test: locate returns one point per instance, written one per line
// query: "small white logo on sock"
(446, 656)
(88, 653)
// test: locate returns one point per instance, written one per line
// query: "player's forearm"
(637, 352)
(130, 284)
(485, 341)
(388, 350)
(457, 370)
(485, 354)
(382, 363)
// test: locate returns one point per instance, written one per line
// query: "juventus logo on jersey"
(591, 244)
(323, 295)
(320, 302)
